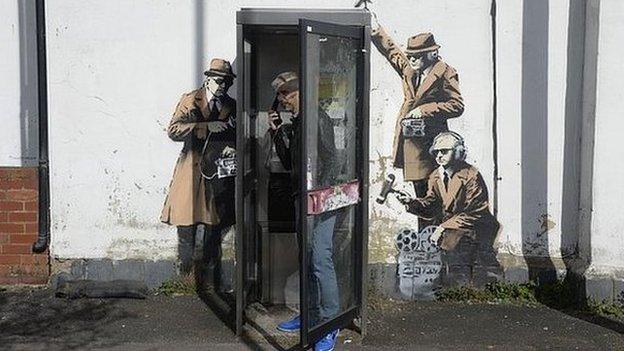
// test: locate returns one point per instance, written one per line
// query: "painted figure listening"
(457, 202)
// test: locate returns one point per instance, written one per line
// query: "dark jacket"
(327, 158)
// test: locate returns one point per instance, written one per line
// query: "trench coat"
(190, 199)
(438, 98)
(462, 210)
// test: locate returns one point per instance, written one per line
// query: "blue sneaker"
(290, 326)
(328, 342)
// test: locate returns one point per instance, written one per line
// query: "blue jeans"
(324, 298)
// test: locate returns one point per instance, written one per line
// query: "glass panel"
(331, 110)
(331, 278)
(272, 276)
(331, 89)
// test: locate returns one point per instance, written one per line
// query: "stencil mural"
(452, 239)
(202, 188)
(419, 262)
(457, 203)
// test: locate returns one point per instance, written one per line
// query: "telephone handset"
(274, 106)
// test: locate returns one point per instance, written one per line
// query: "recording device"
(278, 121)
(226, 167)
(413, 127)
(386, 189)
(213, 161)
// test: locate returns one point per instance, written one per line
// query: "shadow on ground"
(33, 319)
(36, 316)
(434, 325)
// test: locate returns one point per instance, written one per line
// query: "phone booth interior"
(302, 235)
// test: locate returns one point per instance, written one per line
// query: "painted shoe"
(328, 342)
(290, 326)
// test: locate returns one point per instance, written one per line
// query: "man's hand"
(274, 120)
(437, 234)
(415, 113)
(403, 197)
(217, 126)
(228, 152)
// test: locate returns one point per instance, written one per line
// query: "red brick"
(12, 184)
(22, 238)
(9, 259)
(12, 228)
(34, 260)
(40, 280)
(9, 280)
(4, 217)
(24, 177)
(38, 270)
(3, 195)
(4, 238)
(30, 228)
(31, 206)
(16, 249)
(11, 206)
(6, 271)
(22, 195)
(31, 182)
(23, 217)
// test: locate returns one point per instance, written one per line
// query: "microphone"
(386, 189)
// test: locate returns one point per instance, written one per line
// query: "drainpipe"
(44, 180)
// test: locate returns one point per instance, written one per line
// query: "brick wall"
(19, 228)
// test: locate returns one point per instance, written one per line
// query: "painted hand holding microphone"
(405, 199)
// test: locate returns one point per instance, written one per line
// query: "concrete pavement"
(33, 319)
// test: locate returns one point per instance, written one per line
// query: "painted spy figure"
(430, 96)
(202, 188)
(457, 201)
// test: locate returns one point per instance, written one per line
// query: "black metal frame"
(355, 24)
(240, 180)
(306, 27)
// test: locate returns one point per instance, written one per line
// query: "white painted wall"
(115, 78)
(18, 84)
(607, 220)
(541, 229)
(117, 69)
(509, 90)
(116, 72)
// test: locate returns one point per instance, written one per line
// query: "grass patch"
(176, 287)
(605, 308)
(560, 295)
(493, 292)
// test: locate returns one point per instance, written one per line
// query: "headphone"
(432, 55)
(459, 148)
